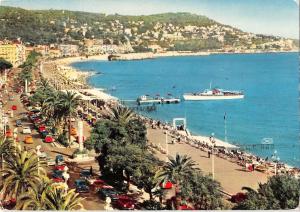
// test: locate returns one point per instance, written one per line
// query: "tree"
(58, 199)
(280, 192)
(126, 162)
(178, 170)
(104, 134)
(20, 173)
(148, 178)
(69, 104)
(36, 197)
(137, 132)
(152, 205)
(6, 147)
(4, 64)
(122, 115)
(202, 191)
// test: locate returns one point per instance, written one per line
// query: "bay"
(270, 82)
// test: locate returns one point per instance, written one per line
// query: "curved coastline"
(69, 61)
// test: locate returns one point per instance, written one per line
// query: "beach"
(228, 168)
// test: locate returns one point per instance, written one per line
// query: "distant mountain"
(174, 31)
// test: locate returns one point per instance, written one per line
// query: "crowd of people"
(248, 161)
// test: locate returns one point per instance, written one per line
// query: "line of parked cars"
(87, 182)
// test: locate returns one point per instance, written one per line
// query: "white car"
(26, 130)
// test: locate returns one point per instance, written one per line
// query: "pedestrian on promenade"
(91, 171)
(208, 154)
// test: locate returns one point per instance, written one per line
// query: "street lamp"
(212, 140)
(167, 150)
(275, 159)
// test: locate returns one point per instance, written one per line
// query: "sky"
(270, 17)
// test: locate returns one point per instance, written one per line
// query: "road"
(91, 201)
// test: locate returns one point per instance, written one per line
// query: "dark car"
(57, 176)
(81, 186)
(18, 123)
(108, 192)
(238, 197)
(85, 173)
(45, 133)
(125, 203)
(59, 159)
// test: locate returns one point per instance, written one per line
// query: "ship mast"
(210, 85)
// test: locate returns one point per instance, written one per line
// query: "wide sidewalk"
(231, 176)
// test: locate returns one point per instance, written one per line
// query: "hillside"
(173, 31)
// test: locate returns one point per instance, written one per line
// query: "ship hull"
(189, 97)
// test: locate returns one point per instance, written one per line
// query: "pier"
(158, 101)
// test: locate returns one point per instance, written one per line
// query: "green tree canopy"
(4, 64)
(280, 192)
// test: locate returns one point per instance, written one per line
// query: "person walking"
(208, 154)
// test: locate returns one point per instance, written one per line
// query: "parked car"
(108, 192)
(85, 173)
(50, 162)
(59, 167)
(28, 140)
(48, 139)
(44, 133)
(73, 131)
(125, 203)
(44, 155)
(238, 197)
(59, 159)
(96, 184)
(81, 186)
(41, 128)
(26, 130)
(57, 176)
(9, 133)
(18, 123)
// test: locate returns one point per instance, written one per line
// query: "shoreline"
(196, 137)
(67, 61)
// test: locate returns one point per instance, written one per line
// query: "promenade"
(231, 176)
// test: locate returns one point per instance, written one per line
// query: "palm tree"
(22, 170)
(177, 170)
(57, 199)
(69, 103)
(122, 115)
(52, 109)
(6, 147)
(36, 197)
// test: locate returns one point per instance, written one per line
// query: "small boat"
(213, 94)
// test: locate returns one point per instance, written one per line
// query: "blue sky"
(273, 17)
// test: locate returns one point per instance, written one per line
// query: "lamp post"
(212, 140)
(275, 159)
(167, 150)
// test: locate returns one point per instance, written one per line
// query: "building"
(68, 50)
(13, 53)
(54, 53)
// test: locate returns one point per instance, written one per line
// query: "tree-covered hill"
(46, 26)
(170, 31)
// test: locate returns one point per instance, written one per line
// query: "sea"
(269, 111)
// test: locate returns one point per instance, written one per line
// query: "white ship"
(213, 94)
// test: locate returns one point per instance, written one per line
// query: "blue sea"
(270, 82)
